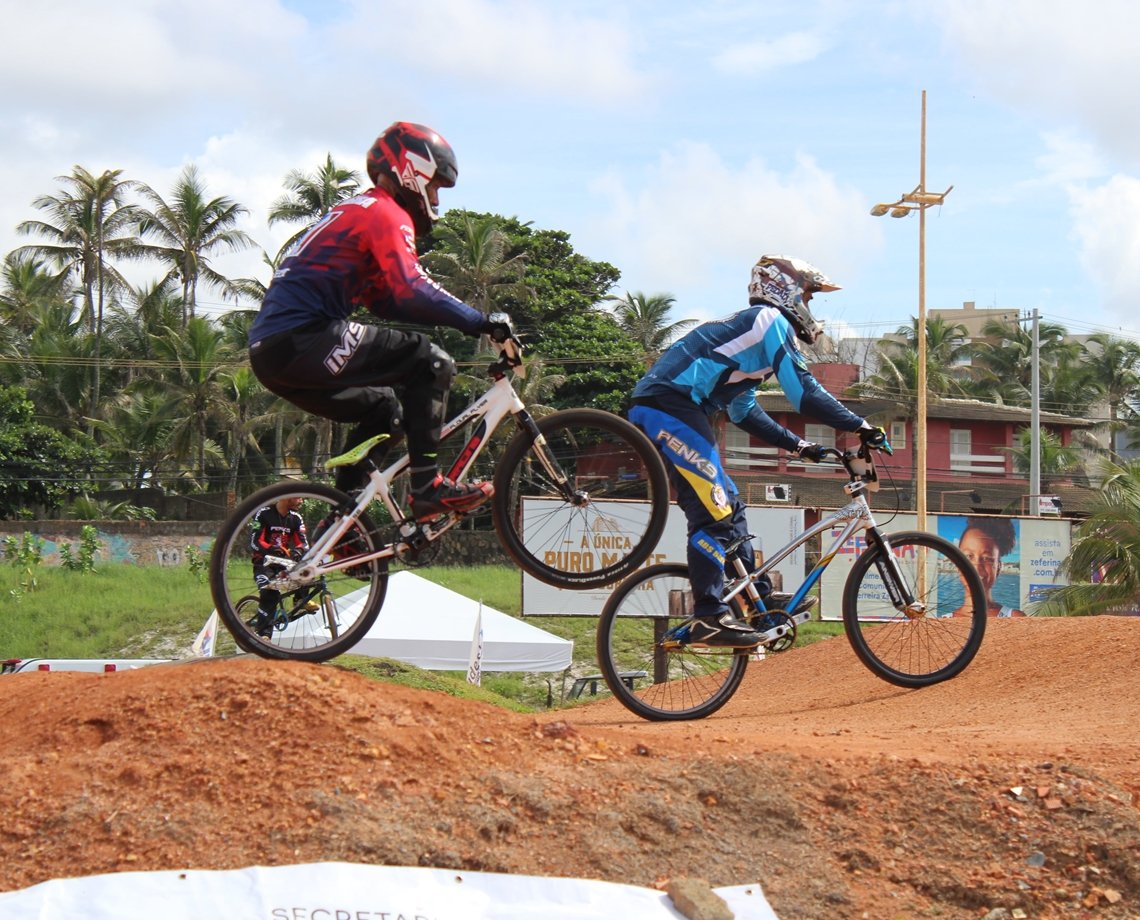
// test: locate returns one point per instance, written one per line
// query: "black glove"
(813, 453)
(876, 439)
(498, 327)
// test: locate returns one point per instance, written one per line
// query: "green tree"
(311, 197)
(601, 361)
(1103, 565)
(557, 281)
(87, 223)
(27, 285)
(1114, 369)
(137, 434)
(646, 318)
(188, 231)
(245, 416)
(53, 364)
(1057, 460)
(40, 468)
(199, 369)
(1003, 365)
(473, 259)
(136, 319)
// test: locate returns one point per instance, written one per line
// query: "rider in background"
(716, 367)
(277, 530)
(305, 349)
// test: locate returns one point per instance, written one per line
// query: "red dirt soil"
(1011, 791)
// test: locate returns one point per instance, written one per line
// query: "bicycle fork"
(538, 441)
(898, 589)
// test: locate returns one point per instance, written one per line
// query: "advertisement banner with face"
(773, 528)
(1018, 560)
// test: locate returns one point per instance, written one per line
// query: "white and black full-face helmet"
(787, 284)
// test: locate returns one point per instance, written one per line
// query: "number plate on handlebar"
(865, 470)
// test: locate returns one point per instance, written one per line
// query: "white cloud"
(1069, 62)
(1109, 236)
(749, 58)
(143, 52)
(696, 221)
(1069, 159)
(514, 45)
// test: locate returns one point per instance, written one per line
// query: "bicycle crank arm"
(778, 632)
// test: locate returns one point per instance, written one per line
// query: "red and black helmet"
(415, 157)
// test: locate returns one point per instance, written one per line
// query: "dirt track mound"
(1014, 785)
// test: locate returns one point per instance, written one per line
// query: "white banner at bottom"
(345, 891)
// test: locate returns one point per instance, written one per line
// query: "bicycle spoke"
(635, 645)
(310, 622)
(607, 518)
(935, 639)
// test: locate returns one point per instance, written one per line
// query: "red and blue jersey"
(361, 254)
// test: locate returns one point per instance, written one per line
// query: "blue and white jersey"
(718, 365)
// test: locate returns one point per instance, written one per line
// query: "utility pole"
(1035, 422)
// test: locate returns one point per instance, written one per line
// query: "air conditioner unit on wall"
(778, 493)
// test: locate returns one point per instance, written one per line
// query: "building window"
(961, 443)
(898, 435)
(820, 434)
(739, 452)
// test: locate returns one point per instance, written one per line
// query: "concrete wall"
(164, 542)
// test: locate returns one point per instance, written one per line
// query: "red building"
(969, 457)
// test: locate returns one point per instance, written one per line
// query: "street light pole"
(918, 200)
(920, 432)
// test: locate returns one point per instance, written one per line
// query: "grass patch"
(123, 611)
(116, 611)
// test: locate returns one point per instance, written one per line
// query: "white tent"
(432, 627)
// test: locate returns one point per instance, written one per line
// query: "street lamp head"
(879, 210)
(900, 211)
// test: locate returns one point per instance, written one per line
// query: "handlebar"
(509, 351)
(858, 463)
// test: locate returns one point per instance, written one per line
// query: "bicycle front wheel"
(313, 622)
(603, 521)
(938, 636)
(645, 666)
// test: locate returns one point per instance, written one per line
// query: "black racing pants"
(346, 371)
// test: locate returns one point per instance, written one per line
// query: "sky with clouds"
(677, 141)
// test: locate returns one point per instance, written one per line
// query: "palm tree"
(89, 222)
(1004, 364)
(1057, 461)
(54, 363)
(244, 416)
(27, 284)
(1114, 370)
(189, 230)
(137, 432)
(475, 264)
(646, 318)
(200, 366)
(311, 197)
(137, 318)
(1103, 565)
(897, 377)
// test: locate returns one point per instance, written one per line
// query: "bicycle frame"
(489, 410)
(855, 517)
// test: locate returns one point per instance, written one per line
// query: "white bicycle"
(581, 498)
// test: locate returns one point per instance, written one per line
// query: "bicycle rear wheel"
(922, 647)
(614, 518)
(316, 621)
(649, 672)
